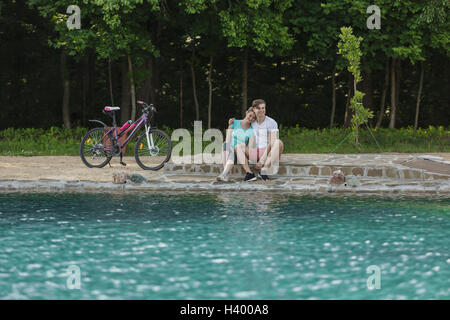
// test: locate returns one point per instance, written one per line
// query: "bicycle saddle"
(108, 108)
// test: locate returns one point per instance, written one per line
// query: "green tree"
(258, 25)
(114, 29)
(202, 36)
(433, 22)
(349, 47)
(316, 29)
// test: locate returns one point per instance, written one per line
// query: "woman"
(239, 135)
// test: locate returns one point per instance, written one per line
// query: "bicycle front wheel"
(95, 149)
(152, 154)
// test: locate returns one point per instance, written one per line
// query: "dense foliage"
(199, 57)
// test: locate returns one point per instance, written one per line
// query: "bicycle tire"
(153, 159)
(93, 145)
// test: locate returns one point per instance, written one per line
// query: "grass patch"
(338, 140)
(57, 141)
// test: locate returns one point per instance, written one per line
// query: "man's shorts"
(254, 154)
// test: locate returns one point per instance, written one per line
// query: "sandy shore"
(63, 168)
(71, 168)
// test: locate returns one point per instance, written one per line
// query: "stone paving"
(382, 175)
(384, 166)
(376, 174)
(313, 187)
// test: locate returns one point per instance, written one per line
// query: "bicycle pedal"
(123, 163)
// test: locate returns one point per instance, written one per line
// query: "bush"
(57, 141)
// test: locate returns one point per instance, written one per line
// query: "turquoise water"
(222, 246)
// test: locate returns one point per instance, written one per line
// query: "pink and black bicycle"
(153, 147)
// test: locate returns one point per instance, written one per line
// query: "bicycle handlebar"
(146, 107)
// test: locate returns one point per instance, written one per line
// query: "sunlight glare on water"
(222, 246)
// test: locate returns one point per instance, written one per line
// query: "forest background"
(208, 59)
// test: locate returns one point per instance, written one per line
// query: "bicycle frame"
(152, 148)
(135, 126)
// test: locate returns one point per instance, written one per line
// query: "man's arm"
(273, 132)
(262, 159)
(273, 136)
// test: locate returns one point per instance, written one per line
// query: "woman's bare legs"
(242, 159)
(227, 159)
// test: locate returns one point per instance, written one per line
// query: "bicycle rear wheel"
(152, 156)
(96, 148)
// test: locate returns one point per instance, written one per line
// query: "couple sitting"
(253, 138)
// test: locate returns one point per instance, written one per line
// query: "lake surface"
(222, 246)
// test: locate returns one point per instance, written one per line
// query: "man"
(267, 149)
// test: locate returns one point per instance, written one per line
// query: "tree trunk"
(181, 97)
(210, 91)
(132, 90)
(333, 95)
(368, 91)
(125, 105)
(85, 87)
(383, 94)
(155, 62)
(356, 126)
(398, 76)
(151, 80)
(66, 88)
(143, 92)
(416, 120)
(110, 82)
(393, 94)
(244, 81)
(194, 89)
(348, 111)
(92, 94)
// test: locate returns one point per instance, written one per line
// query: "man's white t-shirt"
(262, 131)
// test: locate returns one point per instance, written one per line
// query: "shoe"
(263, 177)
(223, 178)
(249, 177)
